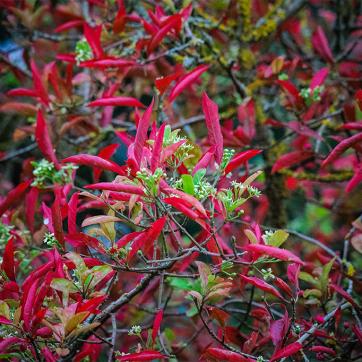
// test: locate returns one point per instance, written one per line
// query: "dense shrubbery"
(181, 180)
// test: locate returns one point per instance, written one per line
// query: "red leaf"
(287, 351)
(42, 138)
(92, 304)
(107, 63)
(94, 161)
(191, 200)
(345, 295)
(278, 329)
(321, 46)
(180, 205)
(352, 126)
(186, 80)
(141, 134)
(57, 219)
(38, 84)
(25, 109)
(204, 161)
(174, 22)
(262, 285)
(341, 147)
(72, 213)
(81, 239)
(323, 349)
(157, 324)
(22, 92)
(224, 355)
(93, 36)
(293, 93)
(27, 303)
(355, 180)
(132, 189)
(157, 148)
(30, 207)
(13, 196)
(5, 321)
(240, 159)
(106, 153)
(358, 97)
(68, 25)
(291, 159)
(147, 355)
(212, 119)
(146, 239)
(162, 83)
(8, 264)
(274, 252)
(116, 101)
(120, 19)
(319, 78)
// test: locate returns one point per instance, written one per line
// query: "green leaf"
(99, 273)
(309, 279)
(188, 184)
(199, 174)
(325, 276)
(278, 238)
(204, 272)
(180, 283)
(63, 285)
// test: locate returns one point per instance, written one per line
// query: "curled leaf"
(186, 80)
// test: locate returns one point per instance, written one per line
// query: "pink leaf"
(157, 324)
(162, 83)
(27, 305)
(107, 63)
(141, 134)
(345, 295)
(25, 109)
(260, 284)
(30, 207)
(22, 92)
(323, 349)
(43, 140)
(212, 119)
(38, 84)
(94, 161)
(157, 148)
(319, 78)
(69, 25)
(93, 36)
(72, 213)
(204, 161)
(220, 354)
(321, 46)
(146, 355)
(132, 189)
(116, 101)
(292, 92)
(106, 153)
(13, 196)
(287, 351)
(8, 264)
(274, 252)
(186, 80)
(355, 180)
(173, 23)
(341, 147)
(239, 159)
(291, 159)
